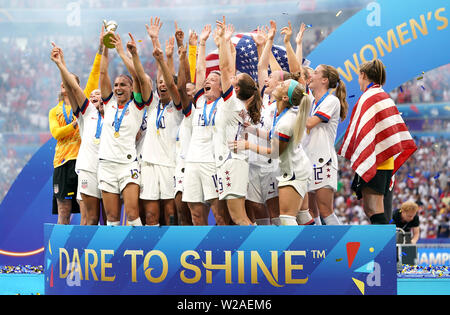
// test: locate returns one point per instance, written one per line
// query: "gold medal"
(96, 141)
(116, 134)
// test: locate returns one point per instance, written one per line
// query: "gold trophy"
(110, 28)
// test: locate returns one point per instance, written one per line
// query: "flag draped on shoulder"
(376, 132)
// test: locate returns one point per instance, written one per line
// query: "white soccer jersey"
(229, 127)
(183, 140)
(319, 143)
(294, 163)
(201, 147)
(121, 149)
(89, 119)
(160, 139)
(141, 135)
(268, 110)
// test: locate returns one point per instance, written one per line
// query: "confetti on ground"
(339, 13)
(408, 271)
(27, 269)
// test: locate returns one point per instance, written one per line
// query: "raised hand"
(300, 34)
(205, 34)
(287, 32)
(193, 38)
(153, 29)
(117, 42)
(56, 54)
(229, 31)
(221, 26)
(170, 46)
(158, 54)
(260, 37)
(131, 45)
(179, 35)
(272, 30)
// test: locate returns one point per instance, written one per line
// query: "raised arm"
(299, 42)
(193, 38)
(73, 89)
(294, 65)
(105, 81)
(201, 59)
(143, 79)
(128, 62)
(167, 75)
(183, 75)
(263, 64)
(153, 31)
(225, 62)
(170, 46)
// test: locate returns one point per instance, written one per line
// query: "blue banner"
(220, 260)
(409, 37)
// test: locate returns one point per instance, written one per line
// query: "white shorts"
(88, 184)
(200, 182)
(325, 176)
(261, 186)
(113, 177)
(301, 186)
(157, 182)
(179, 177)
(232, 179)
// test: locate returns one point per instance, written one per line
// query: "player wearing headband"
(326, 112)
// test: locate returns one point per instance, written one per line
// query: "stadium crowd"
(424, 178)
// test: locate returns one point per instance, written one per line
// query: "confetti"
(309, 25)
(338, 259)
(420, 78)
(423, 88)
(339, 13)
(410, 176)
(401, 90)
(140, 41)
(437, 176)
(351, 96)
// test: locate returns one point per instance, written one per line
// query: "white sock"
(275, 221)
(135, 222)
(152, 224)
(304, 217)
(332, 219)
(287, 220)
(317, 220)
(112, 223)
(264, 221)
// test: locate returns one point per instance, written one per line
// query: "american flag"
(376, 132)
(247, 56)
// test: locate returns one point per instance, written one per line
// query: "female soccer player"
(241, 98)
(293, 106)
(200, 177)
(119, 172)
(327, 110)
(64, 128)
(90, 119)
(377, 141)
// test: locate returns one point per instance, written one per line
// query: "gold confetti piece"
(420, 78)
(339, 13)
(140, 41)
(339, 259)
